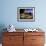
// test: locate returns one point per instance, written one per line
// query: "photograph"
(26, 14)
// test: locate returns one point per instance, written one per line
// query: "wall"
(9, 13)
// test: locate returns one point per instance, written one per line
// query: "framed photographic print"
(26, 14)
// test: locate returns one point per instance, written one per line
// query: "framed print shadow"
(26, 14)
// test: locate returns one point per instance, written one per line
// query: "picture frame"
(26, 14)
